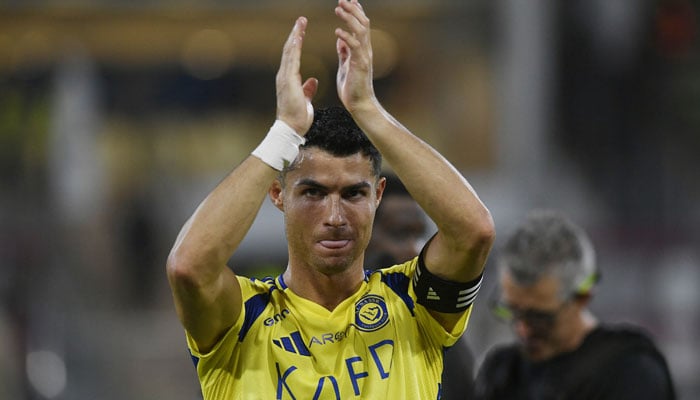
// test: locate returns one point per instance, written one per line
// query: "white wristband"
(280, 147)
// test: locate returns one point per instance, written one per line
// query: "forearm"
(465, 228)
(207, 295)
(464, 223)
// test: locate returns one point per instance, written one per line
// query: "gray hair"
(548, 243)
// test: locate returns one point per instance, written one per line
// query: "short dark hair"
(334, 131)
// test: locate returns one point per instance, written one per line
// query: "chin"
(334, 265)
(536, 351)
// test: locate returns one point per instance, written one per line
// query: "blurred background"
(118, 117)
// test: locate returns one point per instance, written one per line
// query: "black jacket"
(612, 363)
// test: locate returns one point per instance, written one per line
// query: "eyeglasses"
(534, 318)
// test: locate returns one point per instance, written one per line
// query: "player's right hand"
(294, 98)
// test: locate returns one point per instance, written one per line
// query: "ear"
(379, 191)
(582, 299)
(276, 194)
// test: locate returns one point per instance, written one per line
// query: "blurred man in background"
(547, 273)
(399, 233)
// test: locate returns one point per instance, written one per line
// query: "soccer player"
(326, 329)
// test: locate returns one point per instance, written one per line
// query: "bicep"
(453, 261)
(207, 312)
(453, 264)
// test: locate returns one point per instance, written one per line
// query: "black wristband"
(441, 295)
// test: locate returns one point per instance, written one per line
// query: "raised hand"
(294, 98)
(354, 47)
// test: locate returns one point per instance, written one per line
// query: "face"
(543, 322)
(329, 205)
(399, 231)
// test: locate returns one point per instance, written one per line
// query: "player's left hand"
(354, 47)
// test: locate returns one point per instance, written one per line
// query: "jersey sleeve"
(222, 350)
(430, 325)
(444, 337)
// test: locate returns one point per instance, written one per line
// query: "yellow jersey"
(378, 343)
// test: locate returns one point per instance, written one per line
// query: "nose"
(335, 214)
(522, 329)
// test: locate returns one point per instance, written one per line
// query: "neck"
(585, 324)
(327, 290)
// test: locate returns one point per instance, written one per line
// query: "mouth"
(334, 244)
(534, 346)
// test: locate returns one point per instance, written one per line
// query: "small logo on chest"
(371, 313)
(293, 344)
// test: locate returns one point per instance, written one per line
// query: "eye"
(350, 194)
(312, 192)
(355, 193)
(537, 317)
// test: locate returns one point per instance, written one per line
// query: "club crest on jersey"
(371, 313)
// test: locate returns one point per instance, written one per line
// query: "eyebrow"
(315, 184)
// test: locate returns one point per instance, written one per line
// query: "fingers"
(294, 97)
(349, 40)
(310, 87)
(357, 23)
(291, 54)
(356, 37)
(297, 34)
(352, 13)
(342, 48)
